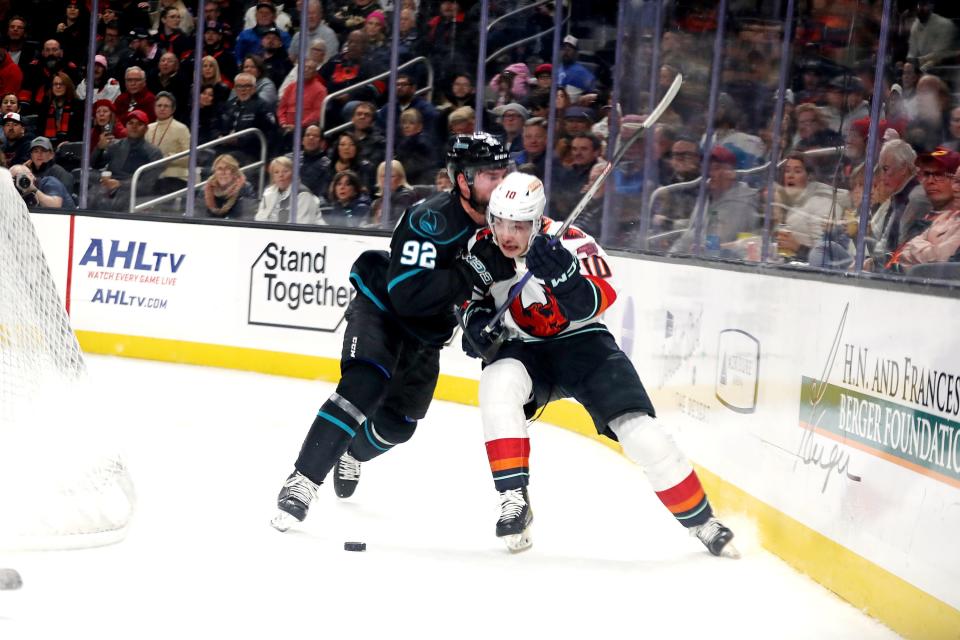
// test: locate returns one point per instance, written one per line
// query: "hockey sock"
(668, 470)
(339, 420)
(509, 462)
(381, 433)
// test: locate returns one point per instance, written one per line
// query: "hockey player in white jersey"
(554, 345)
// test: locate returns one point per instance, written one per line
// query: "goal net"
(62, 484)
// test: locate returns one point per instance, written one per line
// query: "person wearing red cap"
(731, 207)
(106, 128)
(940, 242)
(544, 75)
(118, 162)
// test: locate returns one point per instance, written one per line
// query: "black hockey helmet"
(469, 153)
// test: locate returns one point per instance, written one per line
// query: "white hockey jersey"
(535, 314)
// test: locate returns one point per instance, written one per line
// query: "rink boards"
(825, 411)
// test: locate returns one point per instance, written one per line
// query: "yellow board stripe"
(903, 607)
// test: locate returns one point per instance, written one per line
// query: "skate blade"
(283, 521)
(730, 551)
(518, 542)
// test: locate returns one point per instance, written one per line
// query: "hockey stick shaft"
(651, 120)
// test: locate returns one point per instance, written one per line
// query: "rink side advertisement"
(822, 403)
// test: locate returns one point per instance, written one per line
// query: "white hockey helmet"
(519, 197)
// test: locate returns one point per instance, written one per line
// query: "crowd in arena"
(143, 91)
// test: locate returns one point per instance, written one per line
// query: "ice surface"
(210, 448)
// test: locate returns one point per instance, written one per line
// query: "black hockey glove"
(476, 342)
(555, 265)
(485, 264)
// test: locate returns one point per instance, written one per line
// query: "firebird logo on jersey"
(429, 222)
(539, 319)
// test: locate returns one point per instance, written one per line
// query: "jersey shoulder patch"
(435, 220)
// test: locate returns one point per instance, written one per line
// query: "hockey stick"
(651, 120)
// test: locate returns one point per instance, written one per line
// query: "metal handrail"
(379, 76)
(680, 186)
(346, 125)
(501, 50)
(183, 154)
(516, 11)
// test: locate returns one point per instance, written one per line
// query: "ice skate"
(515, 520)
(294, 501)
(716, 538)
(346, 475)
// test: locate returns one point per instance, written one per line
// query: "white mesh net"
(62, 484)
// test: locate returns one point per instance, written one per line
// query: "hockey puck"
(354, 546)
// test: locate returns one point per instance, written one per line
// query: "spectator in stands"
(411, 41)
(132, 15)
(543, 75)
(928, 126)
(344, 156)
(953, 130)
(43, 163)
(170, 136)
(442, 181)
(73, 31)
(534, 145)
(908, 83)
(61, 113)
(512, 116)
(227, 193)
(731, 207)
(105, 87)
(18, 47)
(215, 47)
(407, 98)
(905, 204)
(447, 40)
(210, 116)
(112, 47)
(136, 97)
(210, 76)
(317, 29)
(585, 150)
(313, 161)
(247, 110)
(378, 47)
(168, 78)
(106, 127)
(510, 85)
(460, 93)
(417, 148)
(802, 208)
(170, 38)
(367, 135)
(591, 218)
(935, 171)
(932, 36)
(141, 53)
(346, 69)
(47, 192)
(314, 93)
(276, 61)
(673, 210)
(160, 18)
(11, 77)
(939, 242)
(855, 146)
(275, 205)
(39, 76)
(573, 76)
(352, 15)
(402, 195)
(266, 89)
(461, 120)
(120, 160)
(317, 53)
(282, 18)
(250, 40)
(16, 149)
(845, 103)
(812, 130)
(576, 120)
(349, 200)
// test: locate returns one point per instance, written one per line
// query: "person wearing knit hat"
(105, 86)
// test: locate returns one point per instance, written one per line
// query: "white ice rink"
(209, 449)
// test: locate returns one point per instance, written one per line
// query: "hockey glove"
(485, 264)
(476, 342)
(554, 264)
